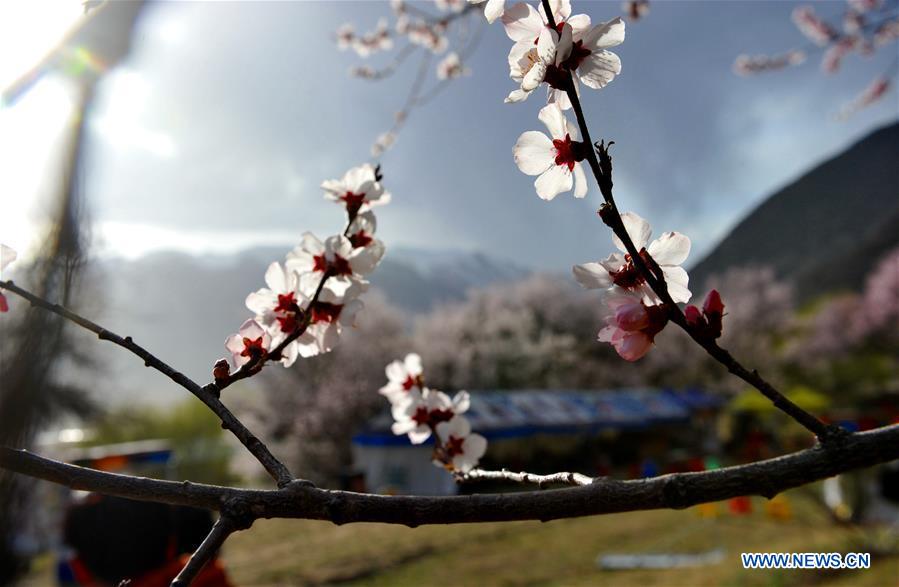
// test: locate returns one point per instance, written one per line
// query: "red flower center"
(453, 446)
(288, 323)
(425, 417)
(629, 277)
(578, 54)
(565, 152)
(421, 416)
(360, 239)
(338, 265)
(287, 303)
(325, 312)
(252, 348)
(353, 201)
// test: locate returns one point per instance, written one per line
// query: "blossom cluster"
(865, 27)
(421, 412)
(314, 293)
(562, 56)
(7, 256)
(427, 33)
(751, 64)
(421, 31)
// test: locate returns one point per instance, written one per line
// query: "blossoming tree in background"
(858, 27)
(314, 294)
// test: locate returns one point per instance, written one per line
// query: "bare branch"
(603, 496)
(576, 479)
(208, 394)
(207, 550)
(602, 171)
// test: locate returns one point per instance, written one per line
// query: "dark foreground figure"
(114, 539)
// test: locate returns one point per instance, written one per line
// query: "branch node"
(239, 512)
(675, 494)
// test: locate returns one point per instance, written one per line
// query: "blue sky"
(217, 131)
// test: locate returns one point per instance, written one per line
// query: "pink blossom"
(751, 64)
(874, 92)
(886, 32)
(834, 55)
(632, 325)
(251, 342)
(810, 25)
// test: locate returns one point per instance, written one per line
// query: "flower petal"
(605, 35)
(598, 69)
(553, 181)
(676, 279)
(637, 228)
(534, 153)
(580, 181)
(592, 276)
(672, 248)
(522, 23)
(551, 115)
(494, 10)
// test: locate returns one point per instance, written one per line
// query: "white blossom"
(555, 158)
(618, 269)
(462, 447)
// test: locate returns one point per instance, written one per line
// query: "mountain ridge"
(825, 230)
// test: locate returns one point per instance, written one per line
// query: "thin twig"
(603, 496)
(208, 394)
(602, 171)
(207, 551)
(575, 479)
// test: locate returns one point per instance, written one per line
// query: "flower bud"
(713, 303)
(693, 316)
(221, 370)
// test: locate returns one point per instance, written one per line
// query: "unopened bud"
(221, 370)
(693, 316)
(713, 303)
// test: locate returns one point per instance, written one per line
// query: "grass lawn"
(292, 552)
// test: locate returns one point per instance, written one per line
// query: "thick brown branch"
(602, 171)
(208, 395)
(210, 546)
(603, 496)
(575, 479)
